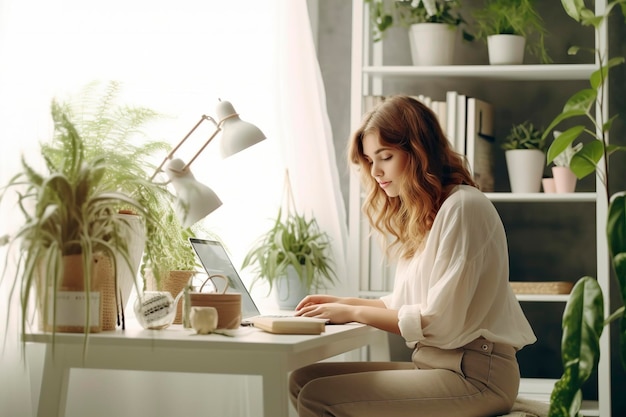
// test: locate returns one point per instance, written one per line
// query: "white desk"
(175, 349)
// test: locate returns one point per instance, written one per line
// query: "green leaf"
(584, 162)
(602, 73)
(616, 234)
(563, 141)
(616, 223)
(573, 7)
(581, 101)
(561, 117)
(582, 326)
(580, 345)
(588, 18)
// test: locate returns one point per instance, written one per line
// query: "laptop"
(215, 260)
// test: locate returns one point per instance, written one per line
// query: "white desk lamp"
(194, 200)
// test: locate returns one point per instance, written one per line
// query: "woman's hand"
(334, 312)
(317, 299)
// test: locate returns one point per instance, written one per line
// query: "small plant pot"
(506, 49)
(432, 43)
(548, 185)
(525, 168)
(564, 180)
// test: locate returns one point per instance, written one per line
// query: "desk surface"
(244, 338)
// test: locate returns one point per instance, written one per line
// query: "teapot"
(156, 310)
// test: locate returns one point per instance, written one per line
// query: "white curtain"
(177, 58)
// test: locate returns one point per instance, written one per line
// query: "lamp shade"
(194, 200)
(237, 135)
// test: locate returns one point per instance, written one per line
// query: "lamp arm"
(171, 153)
(218, 128)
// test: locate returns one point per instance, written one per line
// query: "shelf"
(541, 197)
(547, 72)
(547, 298)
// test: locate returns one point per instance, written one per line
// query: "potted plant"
(169, 262)
(510, 27)
(293, 255)
(564, 177)
(113, 131)
(583, 318)
(524, 150)
(433, 26)
(70, 236)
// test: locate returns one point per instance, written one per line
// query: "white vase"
(432, 43)
(564, 179)
(525, 168)
(506, 49)
(290, 290)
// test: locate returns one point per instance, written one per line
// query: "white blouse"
(457, 287)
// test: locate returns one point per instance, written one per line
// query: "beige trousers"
(480, 379)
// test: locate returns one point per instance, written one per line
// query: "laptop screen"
(215, 260)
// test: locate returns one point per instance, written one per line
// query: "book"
(480, 141)
(451, 118)
(461, 123)
(439, 108)
(289, 325)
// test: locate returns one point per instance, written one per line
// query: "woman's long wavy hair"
(433, 168)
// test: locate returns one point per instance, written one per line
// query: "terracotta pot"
(564, 179)
(71, 298)
(548, 185)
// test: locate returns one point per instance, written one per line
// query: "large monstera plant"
(583, 318)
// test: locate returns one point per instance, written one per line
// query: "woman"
(451, 300)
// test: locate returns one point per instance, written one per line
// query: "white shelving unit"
(368, 73)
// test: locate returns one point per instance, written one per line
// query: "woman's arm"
(347, 309)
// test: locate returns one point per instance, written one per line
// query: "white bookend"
(480, 142)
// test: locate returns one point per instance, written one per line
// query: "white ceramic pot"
(506, 49)
(525, 168)
(289, 290)
(564, 179)
(432, 43)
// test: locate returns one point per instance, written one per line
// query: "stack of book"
(468, 123)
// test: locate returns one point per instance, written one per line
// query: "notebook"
(215, 260)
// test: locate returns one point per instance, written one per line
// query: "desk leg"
(54, 383)
(275, 393)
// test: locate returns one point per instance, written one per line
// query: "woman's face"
(386, 164)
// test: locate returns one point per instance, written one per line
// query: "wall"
(526, 224)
